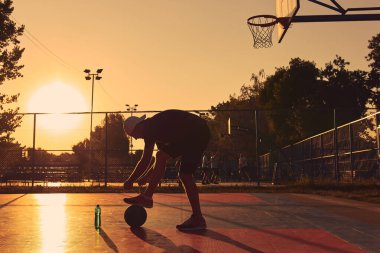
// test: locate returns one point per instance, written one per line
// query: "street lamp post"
(131, 109)
(93, 77)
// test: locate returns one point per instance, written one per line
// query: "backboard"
(285, 9)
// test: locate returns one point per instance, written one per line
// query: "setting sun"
(57, 98)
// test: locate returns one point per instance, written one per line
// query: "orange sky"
(165, 54)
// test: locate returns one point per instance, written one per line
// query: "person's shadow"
(158, 240)
(220, 237)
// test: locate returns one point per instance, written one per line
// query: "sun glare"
(57, 98)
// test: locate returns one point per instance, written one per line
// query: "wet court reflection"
(52, 222)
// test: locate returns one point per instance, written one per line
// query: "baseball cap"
(131, 122)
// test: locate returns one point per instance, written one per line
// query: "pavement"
(237, 222)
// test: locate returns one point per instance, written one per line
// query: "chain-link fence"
(48, 148)
(348, 152)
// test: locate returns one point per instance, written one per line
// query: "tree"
(10, 54)
(374, 75)
(300, 98)
(298, 101)
(10, 154)
(240, 110)
(346, 91)
(292, 99)
(117, 144)
(81, 152)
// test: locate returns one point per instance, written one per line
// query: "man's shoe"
(140, 200)
(193, 224)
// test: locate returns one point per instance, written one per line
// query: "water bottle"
(98, 221)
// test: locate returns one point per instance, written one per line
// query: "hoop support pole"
(336, 18)
(364, 9)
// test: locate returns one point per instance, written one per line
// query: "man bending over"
(176, 134)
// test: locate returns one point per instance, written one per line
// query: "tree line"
(294, 103)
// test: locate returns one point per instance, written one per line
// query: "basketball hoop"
(262, 27)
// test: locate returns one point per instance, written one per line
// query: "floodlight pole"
(93, 77)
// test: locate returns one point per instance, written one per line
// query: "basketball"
(135, 216)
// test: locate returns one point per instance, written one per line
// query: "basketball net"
(262, 27)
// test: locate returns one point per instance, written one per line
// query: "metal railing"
(346, 153)
(99, 163)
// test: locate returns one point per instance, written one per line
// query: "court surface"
(240, 222)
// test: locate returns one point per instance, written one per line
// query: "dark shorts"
(189, 149)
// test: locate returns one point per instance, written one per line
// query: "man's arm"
(145, 177)
(141, 166)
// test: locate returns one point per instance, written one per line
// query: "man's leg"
(192, 192)
(157, 172)
(196, 221)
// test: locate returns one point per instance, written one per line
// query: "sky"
(160, 54)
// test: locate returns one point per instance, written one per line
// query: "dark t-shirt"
(173, 128)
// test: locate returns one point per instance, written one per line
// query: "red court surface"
(236, 223)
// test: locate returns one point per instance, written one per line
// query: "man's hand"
(128, 185)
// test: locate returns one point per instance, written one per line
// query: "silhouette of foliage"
(374, 63)
(10, 54)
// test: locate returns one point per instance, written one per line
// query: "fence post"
(257, 150)
(34, 147)
(336, 152)
(303, 159)
(106, 153)
(322, 155)
(351, 158)
(291, 160)
(312, 172)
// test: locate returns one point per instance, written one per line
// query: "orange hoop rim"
(274, 21)
(282, 20)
